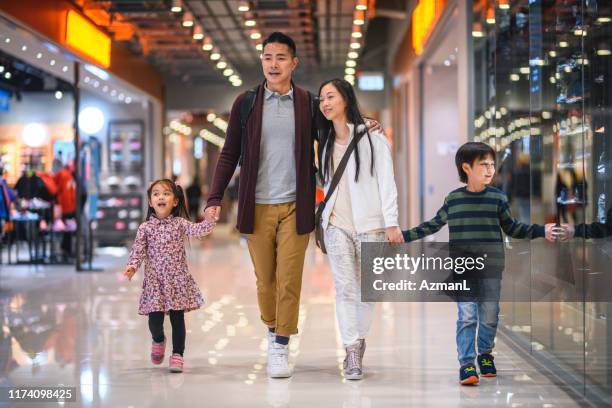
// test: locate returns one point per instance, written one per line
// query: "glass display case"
(120, 206)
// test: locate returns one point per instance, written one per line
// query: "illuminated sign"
(371, 81)
(423, 20)
(86, 38)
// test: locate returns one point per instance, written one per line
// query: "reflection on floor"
(82, 330)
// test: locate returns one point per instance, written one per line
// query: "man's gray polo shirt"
(276, 178)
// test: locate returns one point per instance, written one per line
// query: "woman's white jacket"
(374, 195)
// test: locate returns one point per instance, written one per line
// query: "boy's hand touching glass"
(555, 233)
(394, 234)
(129, 273)
(566, 232)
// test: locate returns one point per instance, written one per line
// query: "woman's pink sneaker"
(157, 352)
(176, 363)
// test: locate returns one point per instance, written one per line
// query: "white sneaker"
(271, 340)
(278, 361)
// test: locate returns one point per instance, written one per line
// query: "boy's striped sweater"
(475, 218)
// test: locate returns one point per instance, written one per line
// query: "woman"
(362, 208)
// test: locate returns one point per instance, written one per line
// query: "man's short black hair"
(469, 153)
(278, 37)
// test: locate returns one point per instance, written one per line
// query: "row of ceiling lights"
(39, 55)
(250, 23)
(198, 34)
(356, 36)
(92, 82)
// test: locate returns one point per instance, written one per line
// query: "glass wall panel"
(542, 100)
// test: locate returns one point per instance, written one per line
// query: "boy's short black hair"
(278, 37)
(469, 153)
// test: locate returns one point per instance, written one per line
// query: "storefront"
(531, 79)
(430, 105)
(60, 105)
(543, 101)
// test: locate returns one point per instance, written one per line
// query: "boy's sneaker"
(352, 363)
(157, 352)
(468, 374)
(487, 366)
(176, 363)
(278, 361)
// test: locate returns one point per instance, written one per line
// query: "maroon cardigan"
(304, 159)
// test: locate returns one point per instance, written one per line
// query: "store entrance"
(37, 151)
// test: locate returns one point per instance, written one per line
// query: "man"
(276, 198)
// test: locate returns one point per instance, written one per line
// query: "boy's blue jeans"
(478, 319)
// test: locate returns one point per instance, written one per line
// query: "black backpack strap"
(246, 107)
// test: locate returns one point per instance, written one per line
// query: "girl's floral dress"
(167, 284)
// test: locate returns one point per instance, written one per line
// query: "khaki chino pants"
(277, 252)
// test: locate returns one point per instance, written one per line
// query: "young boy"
(476, 214)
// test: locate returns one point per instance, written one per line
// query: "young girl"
(168, 287)
(362, 208)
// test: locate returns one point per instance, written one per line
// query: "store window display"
(7, 198)
(543, 102)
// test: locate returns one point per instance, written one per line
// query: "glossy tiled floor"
(82, 330)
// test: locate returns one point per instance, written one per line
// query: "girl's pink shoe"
(157, 352)
(176, 363)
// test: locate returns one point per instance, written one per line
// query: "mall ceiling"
(163, 31)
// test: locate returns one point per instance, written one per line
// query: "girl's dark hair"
(327, 135)
(180, 210)
(470, 152)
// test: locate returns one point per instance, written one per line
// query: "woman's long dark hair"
(327, 135)
(180, 210)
